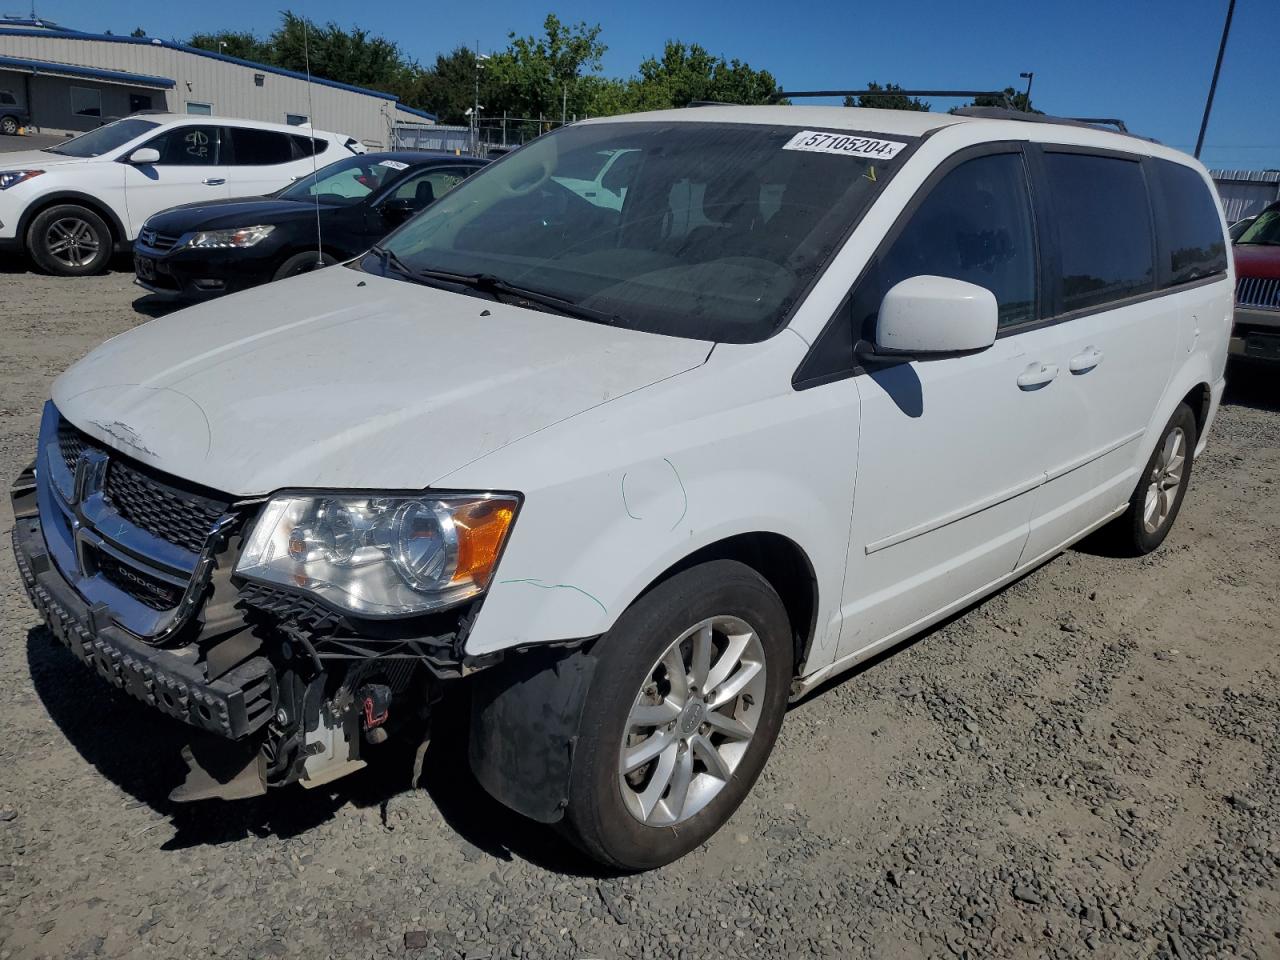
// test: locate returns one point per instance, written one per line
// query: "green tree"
(1016, 101)
(686, 73)
(448, 88)
(890, 99)
(543, 75)
(233, 43)
(138, 32)
(348, 56)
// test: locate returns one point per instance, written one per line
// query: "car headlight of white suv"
(380, 556)
(233, 237)
(11, 178)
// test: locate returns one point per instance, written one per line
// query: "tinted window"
(1264, 230)
(975, 225)
(7, 98)
(187, 146)
(97, 142)
(259, 148)
(1104, 228)
(1192, 231)
(437, 182)
(303, 146)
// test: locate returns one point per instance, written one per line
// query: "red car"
(1257, 255)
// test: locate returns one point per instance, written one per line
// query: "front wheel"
(9, 126)
(690, 691)
(303, 263)
(69, 240)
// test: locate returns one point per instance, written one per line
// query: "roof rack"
(1000, 95)
(1093, 123)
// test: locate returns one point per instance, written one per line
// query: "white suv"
(69, 206)
(634, 476)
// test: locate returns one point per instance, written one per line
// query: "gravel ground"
(1088, 762)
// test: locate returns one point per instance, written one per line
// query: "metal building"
(1245, 193)
(69, 81)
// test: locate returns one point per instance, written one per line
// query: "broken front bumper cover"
(234, 706)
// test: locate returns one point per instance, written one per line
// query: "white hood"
(36, 160)
(346, 380)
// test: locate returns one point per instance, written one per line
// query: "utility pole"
(475, 110)
(1028, 77)
(1213, 84)
(564, 101)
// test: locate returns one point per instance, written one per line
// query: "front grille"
(158, 241)
(1258, 292)
(179, 516)
(141, 496)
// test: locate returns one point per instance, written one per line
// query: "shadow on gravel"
(138, 749)
(1253, 385)
(153, 305)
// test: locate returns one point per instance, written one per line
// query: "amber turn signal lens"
(482, 528)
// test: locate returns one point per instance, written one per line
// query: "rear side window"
(189, 146)
(1191, 229)
(304, 146)
(1104, 229)
(975, 225)
(259, 148)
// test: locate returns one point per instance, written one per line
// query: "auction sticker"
(844, 144)
(393, 164)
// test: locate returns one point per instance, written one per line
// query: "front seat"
(424, 194)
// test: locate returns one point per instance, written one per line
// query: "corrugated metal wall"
(230, 88)
(1245, 192)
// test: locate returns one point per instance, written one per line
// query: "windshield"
(105, 139)
(1266, 229)
(345, 182)
(708, 231)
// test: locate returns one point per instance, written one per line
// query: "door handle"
(1037, 375)
(1085, 360)
(215, 181)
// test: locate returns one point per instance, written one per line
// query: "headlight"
(11, 178)
(235, 237)
(380, 556)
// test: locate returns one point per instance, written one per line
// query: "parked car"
(634, 478)
(13, 113)
(203, 250)
(1238, 228)
(71, 205)
(1257, 259)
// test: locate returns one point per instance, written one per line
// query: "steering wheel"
(539, 176)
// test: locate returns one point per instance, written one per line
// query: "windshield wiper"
(497, 288)
(389, 258)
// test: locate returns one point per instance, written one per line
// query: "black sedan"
(202, 250)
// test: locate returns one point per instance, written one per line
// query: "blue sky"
(1146, 61)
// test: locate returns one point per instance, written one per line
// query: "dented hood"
(346, 380)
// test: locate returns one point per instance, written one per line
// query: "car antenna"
(311, 116)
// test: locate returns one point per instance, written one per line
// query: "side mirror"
(934, 317)
(396, 212)
(144, 155)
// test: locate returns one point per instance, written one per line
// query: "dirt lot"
(1087, 762)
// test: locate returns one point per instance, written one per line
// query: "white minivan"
(71, 205)
(632, 476)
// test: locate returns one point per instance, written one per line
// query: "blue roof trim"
(415, 111)
(183, 48)
(47, 66)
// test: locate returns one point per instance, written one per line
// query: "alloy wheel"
(72, 242)
(692, 721)
(1164, 481)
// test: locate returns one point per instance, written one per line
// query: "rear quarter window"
(1103, 220)
(259, 148)
(1193, 245)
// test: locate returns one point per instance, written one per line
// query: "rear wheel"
(9, 126)
(690, 691)
(303, 262)
(69, 240)
(1158, 498)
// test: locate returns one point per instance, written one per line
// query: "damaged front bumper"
(173, 680)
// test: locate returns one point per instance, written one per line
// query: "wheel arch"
(783, 563)
(119, 236)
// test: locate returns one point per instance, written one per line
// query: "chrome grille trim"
(82, 524)
(1258, 292)
(157, 241)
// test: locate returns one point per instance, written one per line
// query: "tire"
(1158, 497)
(9, 126)
(69, 240)
(303, 262)
(604, 814)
